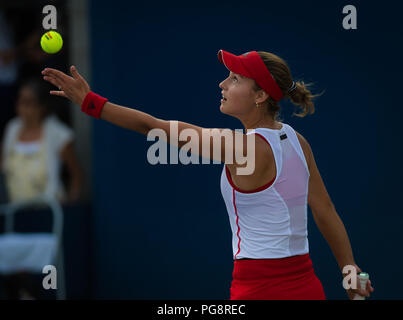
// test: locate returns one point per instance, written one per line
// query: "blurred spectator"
(35, 146)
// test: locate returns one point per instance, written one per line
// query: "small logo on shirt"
(283, 136)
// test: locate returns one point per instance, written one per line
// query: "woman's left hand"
(74, 88)
(362, 292)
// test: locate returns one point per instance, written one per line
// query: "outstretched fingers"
(75, 73)
(58, 93)
(60, 76)
(74, 88)
(56, 82)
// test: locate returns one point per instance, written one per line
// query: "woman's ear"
(261, 96)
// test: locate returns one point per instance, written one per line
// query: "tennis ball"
(51, 42)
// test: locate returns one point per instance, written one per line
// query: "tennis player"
(268, 208)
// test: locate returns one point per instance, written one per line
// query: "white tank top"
(271, 221)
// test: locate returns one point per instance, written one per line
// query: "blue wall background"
(162, 232)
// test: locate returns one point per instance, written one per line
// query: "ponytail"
(301, 96)
(298, 92)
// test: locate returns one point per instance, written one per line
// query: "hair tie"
(293, 87)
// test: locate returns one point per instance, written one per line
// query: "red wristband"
(93, 104)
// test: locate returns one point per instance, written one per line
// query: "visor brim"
(233, 63)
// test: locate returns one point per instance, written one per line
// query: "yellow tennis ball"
(51, 42)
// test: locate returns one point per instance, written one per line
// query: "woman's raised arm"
(231, 146)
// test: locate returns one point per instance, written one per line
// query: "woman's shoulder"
(55, 126)
(278, 127)
(10, 134)
(53, 121)
(12, 126)
(306, 147)
(57, 131)
(14, 122)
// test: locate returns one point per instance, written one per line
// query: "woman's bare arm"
(76, 88)
(327, 219)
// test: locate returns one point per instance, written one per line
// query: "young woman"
(35, 146)
(268, 208)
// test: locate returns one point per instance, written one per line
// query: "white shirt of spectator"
(45, 153)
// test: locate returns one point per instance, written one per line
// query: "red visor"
(252, 66)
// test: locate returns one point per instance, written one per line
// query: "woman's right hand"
(74, 88)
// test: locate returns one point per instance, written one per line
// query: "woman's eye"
(235, 79)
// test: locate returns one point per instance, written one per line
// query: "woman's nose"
(221, 85)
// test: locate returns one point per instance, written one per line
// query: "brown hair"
(41, 91)
(300, 96)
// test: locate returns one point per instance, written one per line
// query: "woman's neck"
(32, 124)
(265, 122)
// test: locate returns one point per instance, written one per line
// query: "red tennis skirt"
(290, 278)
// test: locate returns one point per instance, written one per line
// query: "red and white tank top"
(271, 221)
